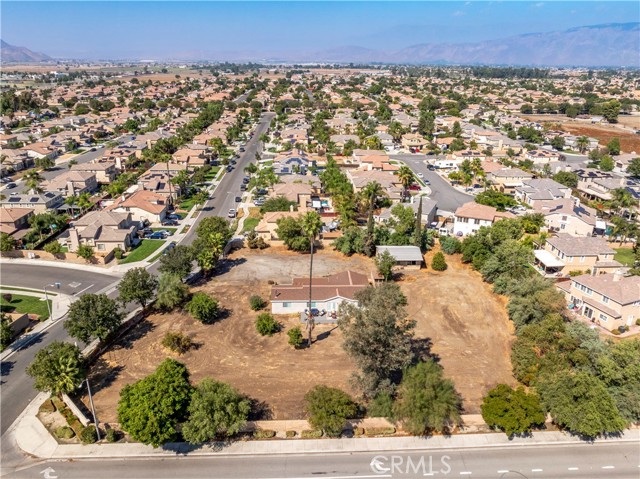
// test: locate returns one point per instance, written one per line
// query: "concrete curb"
(56, 264)
(33, 438)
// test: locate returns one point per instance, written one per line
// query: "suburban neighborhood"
(256, 259)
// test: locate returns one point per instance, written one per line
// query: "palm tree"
(32, 181)
(406, 177)
(251, 168)
(84, 202)
(371, 192)
(582, 143)
(622, 199)
(311, 225)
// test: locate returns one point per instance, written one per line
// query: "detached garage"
(405, 256)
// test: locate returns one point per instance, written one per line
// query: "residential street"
(17, 387)
(583, 461)
(448, 198)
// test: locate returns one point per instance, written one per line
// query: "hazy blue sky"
(146, 29)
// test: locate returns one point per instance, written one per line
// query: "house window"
(564, 218)
(286, 305)
(562, 226)
(603, 317)
(570, 259)
(476, 222)
(100, 247)
(605, 300)
(582, 259)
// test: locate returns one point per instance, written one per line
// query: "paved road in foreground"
(17, 387)
(448, 198)
(581, 461)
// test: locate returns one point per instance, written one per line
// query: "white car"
(420, 175)
(232, 213)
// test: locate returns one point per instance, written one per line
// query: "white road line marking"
(573, 468)
(503, 471)
(88, 287)
(465, 473)
(536, 470)
(608, 467)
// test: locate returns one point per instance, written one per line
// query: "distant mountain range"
(608, 45)
(13, 54)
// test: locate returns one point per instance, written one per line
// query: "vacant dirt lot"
(466, 323)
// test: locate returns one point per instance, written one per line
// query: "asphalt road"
(448, 198)
(583, 461)
(229, 188)
(17, 387)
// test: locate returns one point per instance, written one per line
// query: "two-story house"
(535, 192)
(568, 215)
(102, 230)
(39, 203)
(506, 180)
(564, 253)
(609, 300)
(470, 217)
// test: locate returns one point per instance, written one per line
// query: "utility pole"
(93, 409)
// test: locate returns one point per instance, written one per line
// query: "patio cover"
(548, 259)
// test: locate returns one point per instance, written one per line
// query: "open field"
(467, 324)
(627, 124)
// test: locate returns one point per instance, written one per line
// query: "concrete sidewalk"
(33, 438)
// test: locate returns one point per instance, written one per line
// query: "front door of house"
(588, 312)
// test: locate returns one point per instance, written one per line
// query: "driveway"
(448, 198)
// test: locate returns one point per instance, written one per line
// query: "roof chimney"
(618, 275)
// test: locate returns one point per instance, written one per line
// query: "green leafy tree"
(406, 177)
(32, 181)
(606, 163)
(439, 263)
(426, 401)
(566, 178)
(581, 403)
(266, 325)
(619, 368)
(7, 242)
(512, 410)
(58, 368)
(203, 308)
(215, 410)
(279, 203)
(494, 198)
(172, 292)
(613, 147)
(328, 409)
(93, 316)
(634, 168)
(151, 409)
(138, 286)
(378, 336)
(178, 261)
(385, 263)
(511, 258)
(534, 299)
(53, 247)
(450, 245)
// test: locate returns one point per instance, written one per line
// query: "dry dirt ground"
(466, 323)
(624, 130)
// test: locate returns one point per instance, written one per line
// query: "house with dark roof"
(539, 190)
(568, 215)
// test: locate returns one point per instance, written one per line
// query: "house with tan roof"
(470, 217)
(327, 294)
(15, 221)
(266, 228)
(143, 205)
(564, 253)
(72, 183)
(609, 300)
(413, 140)
(506, 180)
(104, 171)
(538, 191)
(568, 215)
(102, 230)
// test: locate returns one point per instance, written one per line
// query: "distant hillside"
(596, 45)
(13, 54)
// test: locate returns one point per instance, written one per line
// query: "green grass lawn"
(25, 304)
(144, 250)
(187, 204)
(624, 256)
(210, 176)
(249, 224)
(13, 288)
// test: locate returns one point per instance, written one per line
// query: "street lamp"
(46, 297)
(93, 409)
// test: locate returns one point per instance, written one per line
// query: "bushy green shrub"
(438, 263)
(290, 434)
(311, 434)
(450, 244)
(266, 325)
(380, 431)
(295, 337)
(64, 432)
(47, 406)
(89, 435)
(112, 435)
(358, 431)
(264, 434)
(203, 308)
(177, 342)
(256, 302)
(118, 252)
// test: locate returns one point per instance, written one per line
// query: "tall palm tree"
(582, 142)
(622, 199)
(371, 192)
(32, 181)
(406, 177)
(311, 225)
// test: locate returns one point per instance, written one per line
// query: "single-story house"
(405, 256)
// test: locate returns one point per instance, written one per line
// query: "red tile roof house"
(327, 294)
(143, 205)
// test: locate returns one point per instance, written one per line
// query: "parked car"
(232, 213)
(243, 187)
(241, 150)
(92, 149)
(420, 175)
(246, 180)
(414, 187)
(229, 168)
(259, 201)
(238, 199)
(155, 235)
(6, 179)
(169, 223)
(173, 217)
(11, 185)
(168, 249)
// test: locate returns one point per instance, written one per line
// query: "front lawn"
(187, 204)
(624, 256)
(25, 304)
(144, 249)
(249, 224)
